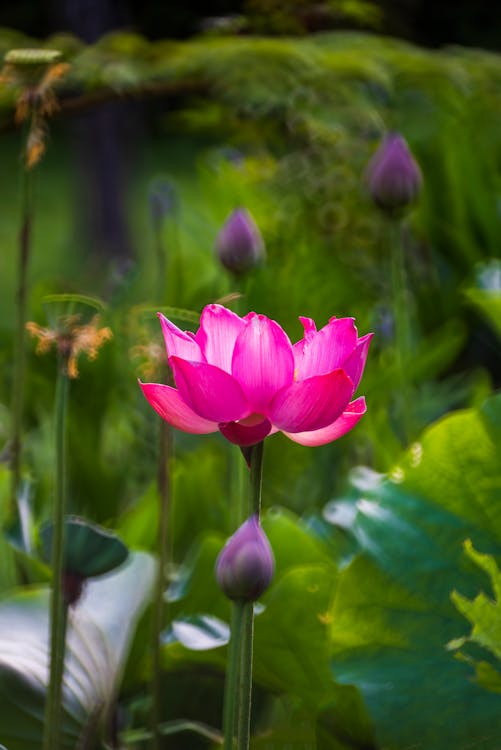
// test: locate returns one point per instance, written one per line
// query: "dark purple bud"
(245, 565)
(239, 245)
(393, 175)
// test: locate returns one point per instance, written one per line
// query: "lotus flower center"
(252, 420)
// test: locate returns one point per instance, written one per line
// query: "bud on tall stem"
(245, 566)
(393, 175)
(239, 245)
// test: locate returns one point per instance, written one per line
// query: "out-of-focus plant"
(70, 339)
(394, 181)
(32, 75)
(302, 16)
(239, 245)
(163, 203)
(100, 633)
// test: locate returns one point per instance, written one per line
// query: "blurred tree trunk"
(103, 138)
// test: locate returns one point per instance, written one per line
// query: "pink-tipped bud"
(245, 565)
(393, 175)
(239, 245)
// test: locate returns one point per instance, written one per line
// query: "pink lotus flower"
(243, 376)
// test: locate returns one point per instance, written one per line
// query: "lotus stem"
(164, 492)
(58, 608)
(231, 690)
(19, 364)
(402, 325)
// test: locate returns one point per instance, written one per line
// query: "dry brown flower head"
(71, 340)
(32, 73)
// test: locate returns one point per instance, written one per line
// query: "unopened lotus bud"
(393, 176)
(245, 565)
(239, 245)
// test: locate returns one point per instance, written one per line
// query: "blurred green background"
(279, 108)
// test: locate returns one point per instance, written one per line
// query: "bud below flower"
(393, 175)
(245, 565)
(239, 245)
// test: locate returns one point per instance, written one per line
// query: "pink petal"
(262, 360)
(168, 403)
(354, 365)
(325, 350)
(312, 403)
(217, 334)
(310, 329)
(212, 393)
(337, 429)
(239, 434)
(180, 343)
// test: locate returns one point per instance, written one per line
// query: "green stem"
(164, 492)
(402, 326)
(245, 682)
(238, 689)
(256, 477)
(231, 691)
(163, 483)
(19, 364)
(59, 610)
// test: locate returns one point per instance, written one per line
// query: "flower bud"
(239, 245)
(245, 565)
(393, 175)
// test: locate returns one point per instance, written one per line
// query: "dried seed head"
(71, 340)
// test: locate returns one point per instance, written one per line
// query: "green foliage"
(392, 616)
(100, 631)
(484, 614)
(378, 610)
(88, 549)
(351, 638)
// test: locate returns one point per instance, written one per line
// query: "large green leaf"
(392, 614)
(99, 633)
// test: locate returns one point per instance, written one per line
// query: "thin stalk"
(163, 484)
(256, 477)
(245, 681)
(238, 689)
(232, 686)
(19, 364)
(58, 610)
(402, 325)
(163, 552)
